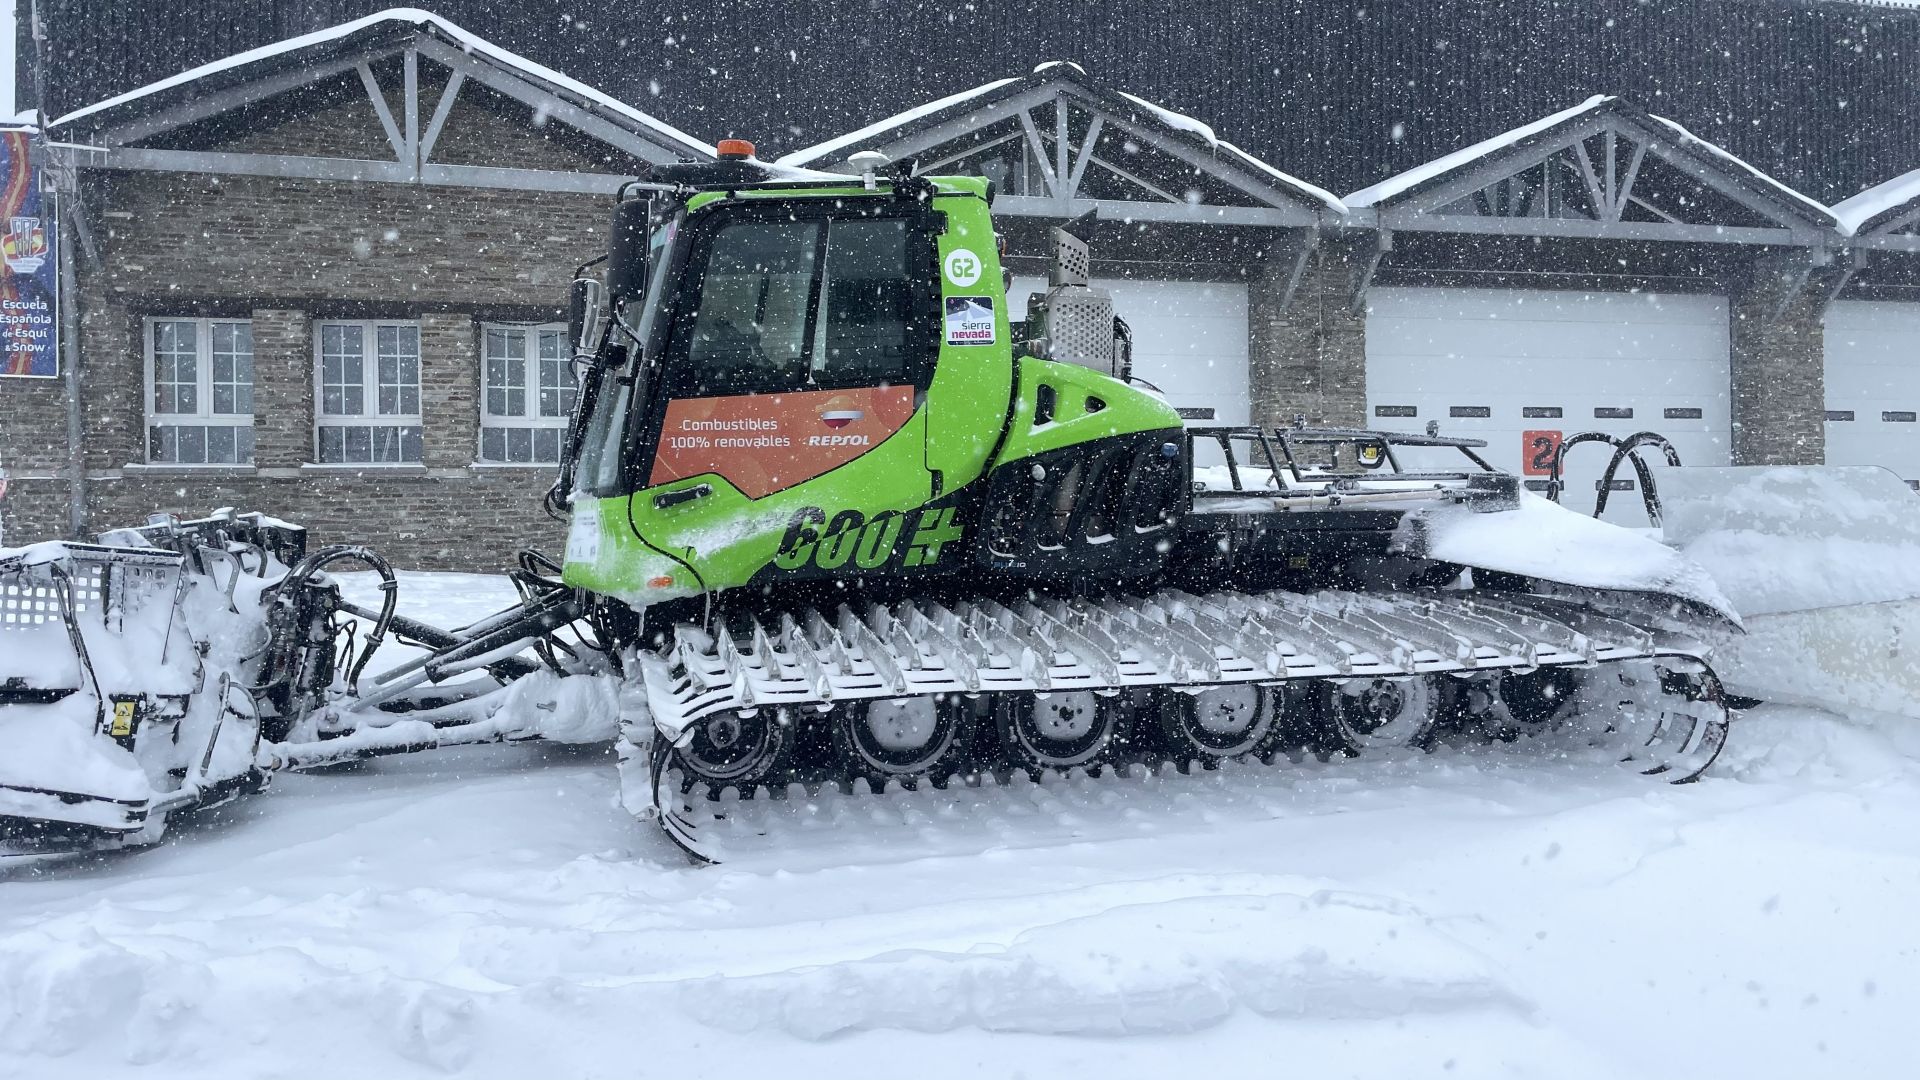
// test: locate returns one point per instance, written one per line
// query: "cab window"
(788, 305)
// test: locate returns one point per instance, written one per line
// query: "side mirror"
(627, 251)
(586, 314)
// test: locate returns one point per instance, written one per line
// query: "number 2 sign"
(1537, 449)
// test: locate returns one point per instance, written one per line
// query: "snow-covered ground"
(492, 912)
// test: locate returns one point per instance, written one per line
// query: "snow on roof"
(1331, 200)
(1414, 177)
(1854, 213)
(852, 138)
(1179, 121)
(1420, 174)
(472, 43)
(1689, 138)
(1174, 120)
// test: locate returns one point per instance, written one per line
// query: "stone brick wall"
(288, 253)
(1779, 380)
(1309, 358)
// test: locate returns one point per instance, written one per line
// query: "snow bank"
(1790, 538)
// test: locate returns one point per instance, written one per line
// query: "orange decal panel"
(763, 443)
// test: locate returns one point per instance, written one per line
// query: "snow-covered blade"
(1823, 562)
(124, 676)
(1550, 543)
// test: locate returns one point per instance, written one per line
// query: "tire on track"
(731, 750)
(909, 740)
(1219, 723)
(1063, 729)
(1379, 713)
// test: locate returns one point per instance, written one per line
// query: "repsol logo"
(851, 539)
(839, 440)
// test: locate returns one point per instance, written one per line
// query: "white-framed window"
(199, 391)
(368, 378)
(526, 395)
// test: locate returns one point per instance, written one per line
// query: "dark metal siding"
(1823, 95)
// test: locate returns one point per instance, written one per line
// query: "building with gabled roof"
(323, 275)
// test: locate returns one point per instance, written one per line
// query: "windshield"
(600, 457)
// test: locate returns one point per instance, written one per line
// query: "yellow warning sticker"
(122, 718)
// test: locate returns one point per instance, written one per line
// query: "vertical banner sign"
(27, 282)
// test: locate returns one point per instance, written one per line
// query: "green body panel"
(1125, 409)
(958, 421)
(727, 537)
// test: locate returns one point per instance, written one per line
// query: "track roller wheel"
(1534, 699)
(1216, 723)
(908, 740)
(1381, 713)
(735, 750)
(1061, 729)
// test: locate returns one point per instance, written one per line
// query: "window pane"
(505, 370)
(342, 389)
(220, 444)
(193, 446)
(751, 328)
(556, 377)
(516, 402)
(359, 444)
(243, 444)
(493, 444)
(399, 370)
(162, 445)
(176, 360)
(332, 445)
(232, 368)
(410, 445)
(519, 444)
(865, 301)
(546, 445)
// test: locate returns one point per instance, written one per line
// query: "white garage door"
(1189, 339)
(1520, 367)
(1873, 385)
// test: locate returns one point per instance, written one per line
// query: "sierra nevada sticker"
(969, 320)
